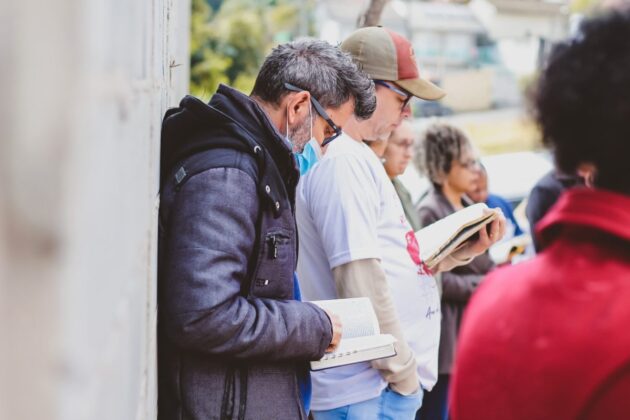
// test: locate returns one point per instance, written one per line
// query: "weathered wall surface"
(84, 84)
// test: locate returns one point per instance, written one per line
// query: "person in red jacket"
(549, 338)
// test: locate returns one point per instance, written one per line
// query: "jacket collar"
(602, 210)
(243, 109)
(443, 201)
(251, 116)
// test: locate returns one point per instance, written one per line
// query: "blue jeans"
(390, 405)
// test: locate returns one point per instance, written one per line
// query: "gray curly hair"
(439, 145)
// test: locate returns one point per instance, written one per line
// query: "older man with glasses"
(355, 241)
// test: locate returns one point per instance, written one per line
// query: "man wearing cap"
(355, 241)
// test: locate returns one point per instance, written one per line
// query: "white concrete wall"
(83, 86)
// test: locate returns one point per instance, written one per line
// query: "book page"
(439, 235)
(357, 316)
(457, 241)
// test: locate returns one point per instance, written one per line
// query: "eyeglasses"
(322, 113)
(406, 145)
(470, 164)
(398, 90)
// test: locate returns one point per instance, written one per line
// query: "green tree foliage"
(583, 6)
(230, 38)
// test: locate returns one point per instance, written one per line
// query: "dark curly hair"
(582, 101)
(439, 145)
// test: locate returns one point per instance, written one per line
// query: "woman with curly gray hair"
(445, 155)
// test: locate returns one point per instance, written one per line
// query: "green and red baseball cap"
(385, 55)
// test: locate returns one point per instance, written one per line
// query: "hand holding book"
(462, 235)
(361, 340)
(479, 244)
(337, 330)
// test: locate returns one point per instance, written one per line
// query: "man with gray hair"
(355, 241)
(233, 338)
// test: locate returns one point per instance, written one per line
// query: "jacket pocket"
(208, 387)
(274, 277)
(280, 379)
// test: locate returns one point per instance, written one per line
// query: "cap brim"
(421, 88)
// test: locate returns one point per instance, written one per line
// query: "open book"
(439, 239)
(361, 339)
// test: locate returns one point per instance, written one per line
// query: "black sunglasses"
(396, 89)
(322, 113)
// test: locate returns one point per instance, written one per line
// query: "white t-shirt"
(348, 210)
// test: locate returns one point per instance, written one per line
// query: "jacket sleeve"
(427, 215)
(210, 239)
(459, 287)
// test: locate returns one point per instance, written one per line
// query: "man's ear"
(298, 106)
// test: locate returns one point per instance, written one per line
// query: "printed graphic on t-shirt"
(413, 249)
(366, 196)
(431, 312)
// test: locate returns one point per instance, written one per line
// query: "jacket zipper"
(273, 246)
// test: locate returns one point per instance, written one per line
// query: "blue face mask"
(309, 156)
(311, 153)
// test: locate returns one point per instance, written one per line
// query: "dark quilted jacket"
(229, 345)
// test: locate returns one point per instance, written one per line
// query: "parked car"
(423, 109)
(513, 175)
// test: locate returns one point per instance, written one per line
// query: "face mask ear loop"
(286, 133)
(310, 114)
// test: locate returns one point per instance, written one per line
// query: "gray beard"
(300, 135)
